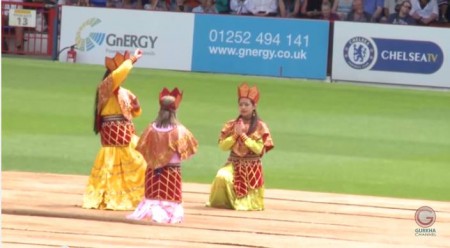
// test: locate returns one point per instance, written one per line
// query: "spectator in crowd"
(311, 8)
(165, 143)
(425, 12)
(132, 4)
(342, 8)
(98, 3)
(289, 8)
(84, 3)
(402, 16)
(239, 185)
(117, 177)
(187, 5)
(263, 7)
(239, 7)
(162, 5)
(390, 7)
(358, 14)
(443, 6)
(374, 8)
(206, 6)
(327, 14)
(114, 3)
(222, 6)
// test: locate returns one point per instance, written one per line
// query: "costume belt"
(248, 157)
(107, 118)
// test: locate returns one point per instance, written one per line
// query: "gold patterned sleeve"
(227, 137)
(227, 143)
(120, 74)
(256, 146)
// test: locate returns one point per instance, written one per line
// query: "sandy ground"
(43, 210)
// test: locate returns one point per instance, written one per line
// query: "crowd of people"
(144, 173)
(404, 12)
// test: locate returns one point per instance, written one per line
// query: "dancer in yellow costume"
(117, 177)
(239, 184)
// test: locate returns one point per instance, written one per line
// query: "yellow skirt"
(223, 196)
(117, 179)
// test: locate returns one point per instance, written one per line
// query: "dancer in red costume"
(239, 184)
(165, 143)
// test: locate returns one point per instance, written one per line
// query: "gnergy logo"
(359, 52)
(86, 40)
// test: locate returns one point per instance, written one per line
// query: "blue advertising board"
(260, 46)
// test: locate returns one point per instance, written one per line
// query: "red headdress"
(112, 63)
(245, 91)
(175, 93)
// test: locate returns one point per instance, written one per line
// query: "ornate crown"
(175, 93)
(112, 63)
(252, 93)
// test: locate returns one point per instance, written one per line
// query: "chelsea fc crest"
(359, 53)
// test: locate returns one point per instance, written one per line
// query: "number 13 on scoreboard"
(22, 18)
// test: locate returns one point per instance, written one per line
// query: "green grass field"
(346, 138)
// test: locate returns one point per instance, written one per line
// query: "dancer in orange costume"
(239, 184)
(164, 144)
(117, 177)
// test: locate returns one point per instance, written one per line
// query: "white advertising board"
(166, 38)
(393, 54)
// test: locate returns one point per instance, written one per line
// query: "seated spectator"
(402, 16)
(132, 4)
(390, 7)
(161, 5)
(84, 3)
(289, 8)
(443, 5)
(358, 14)
(327, 14)
(97, 3)
(311, 8)
(263, 7)
(342, 8)
(114, 3)
(222, 6)
(374, 8)
(425, 12)
(239, 7)
(206, 6)
(187, 5)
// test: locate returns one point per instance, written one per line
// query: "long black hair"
(96, 110)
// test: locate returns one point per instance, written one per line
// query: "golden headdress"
(175, 93)
(112, 63)
(252, 93)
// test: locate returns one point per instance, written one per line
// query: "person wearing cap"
(117, 178)
(165, 143)
(239, 185)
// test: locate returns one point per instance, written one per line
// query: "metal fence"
(29, 28)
